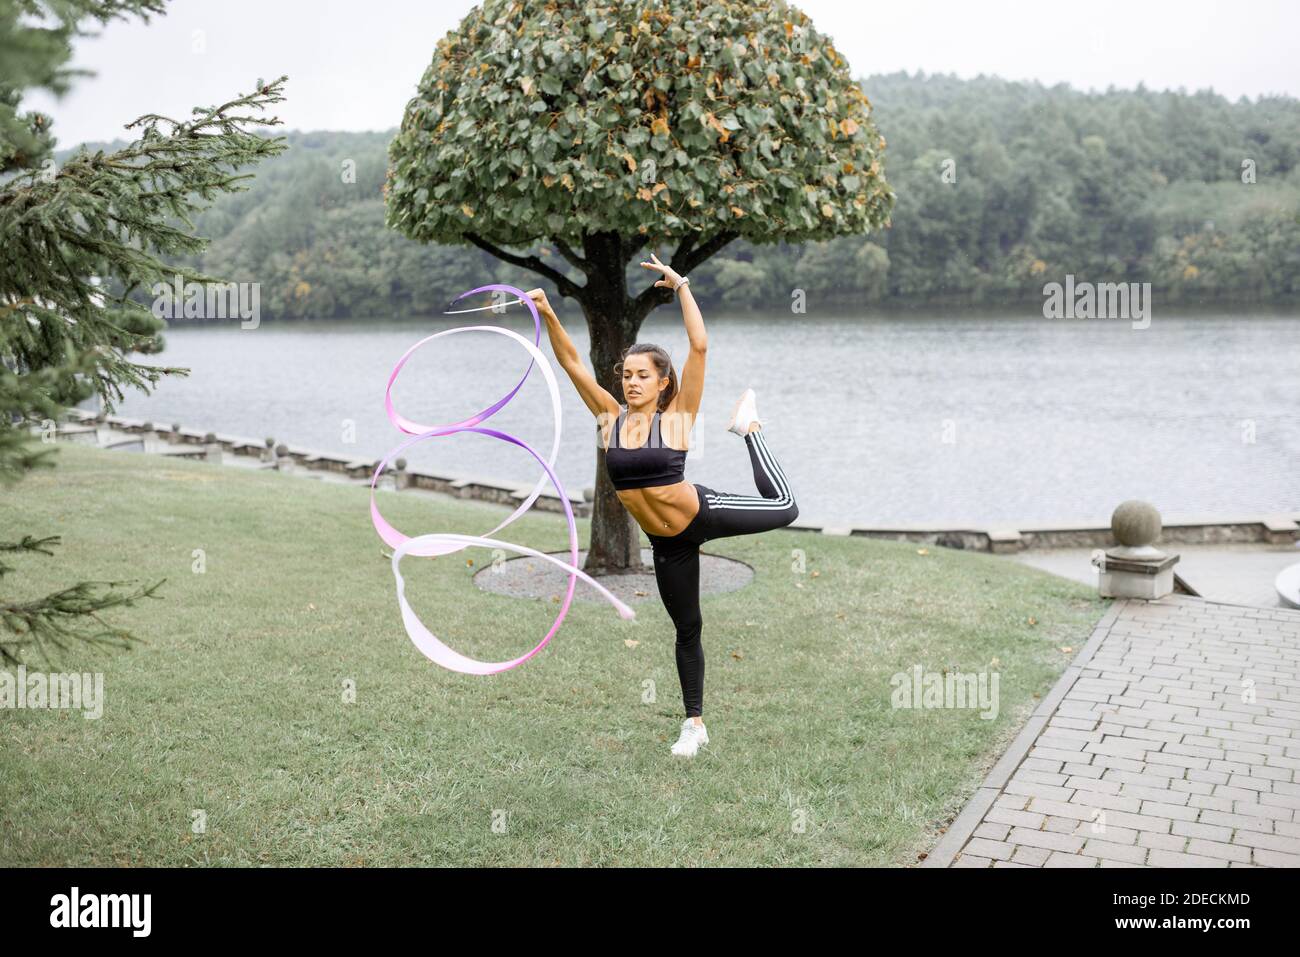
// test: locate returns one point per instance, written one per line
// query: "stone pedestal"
(1121, 578)
(1134, 567)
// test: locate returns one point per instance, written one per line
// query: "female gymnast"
(646, 463)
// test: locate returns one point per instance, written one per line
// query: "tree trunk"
(615, 546)
(613, 321)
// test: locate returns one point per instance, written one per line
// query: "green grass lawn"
(234, 704)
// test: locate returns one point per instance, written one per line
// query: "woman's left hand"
(538, 296)
(670, 279)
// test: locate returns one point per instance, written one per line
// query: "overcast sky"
(353, 65)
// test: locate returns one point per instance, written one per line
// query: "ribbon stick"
(495, 308)
(446, 543)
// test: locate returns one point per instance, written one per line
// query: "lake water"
(883, 419)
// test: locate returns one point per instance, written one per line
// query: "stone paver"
(1172, 740)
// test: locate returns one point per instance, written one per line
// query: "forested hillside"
(1002, 187)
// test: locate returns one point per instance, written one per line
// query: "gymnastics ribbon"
(446, 543)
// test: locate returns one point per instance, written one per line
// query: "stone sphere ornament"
(1135, 523)
(1136, 526)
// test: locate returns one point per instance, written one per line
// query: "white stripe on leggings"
(759, 502)
(774, 472)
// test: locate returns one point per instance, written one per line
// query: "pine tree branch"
(69, 238)
(55, 621)
(28, 544)
(110, 215)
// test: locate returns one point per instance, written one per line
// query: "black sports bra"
(651, 464)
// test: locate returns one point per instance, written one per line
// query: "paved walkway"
(1242, 574)
(1172, 740)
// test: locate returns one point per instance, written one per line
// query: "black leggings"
(677, 557)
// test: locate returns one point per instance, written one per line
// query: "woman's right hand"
(538, 296)
(670, 280)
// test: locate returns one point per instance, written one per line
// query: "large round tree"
(596, 128)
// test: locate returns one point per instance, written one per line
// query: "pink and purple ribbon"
(446, 543)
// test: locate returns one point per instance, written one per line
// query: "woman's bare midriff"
(663, 510)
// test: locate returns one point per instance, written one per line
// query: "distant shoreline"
(1025, 310)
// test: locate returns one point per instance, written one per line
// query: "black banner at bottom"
(1146, 906)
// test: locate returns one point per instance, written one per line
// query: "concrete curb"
(1004, 538)
(964, 824)
(190, 443)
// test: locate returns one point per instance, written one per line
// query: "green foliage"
(76, 240)
(79, 239)
(568, 118)
(1026, 208)
(35, 46)
(1120, 186)
(311, 230)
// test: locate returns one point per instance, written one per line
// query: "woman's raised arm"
(692, 389)
(595, 396)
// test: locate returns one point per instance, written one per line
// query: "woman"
(646, 461)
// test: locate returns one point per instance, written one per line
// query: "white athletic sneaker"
(745, 414)
(693, 736)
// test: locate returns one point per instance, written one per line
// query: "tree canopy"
(562, 119)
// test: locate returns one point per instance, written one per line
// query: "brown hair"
(662, 363)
